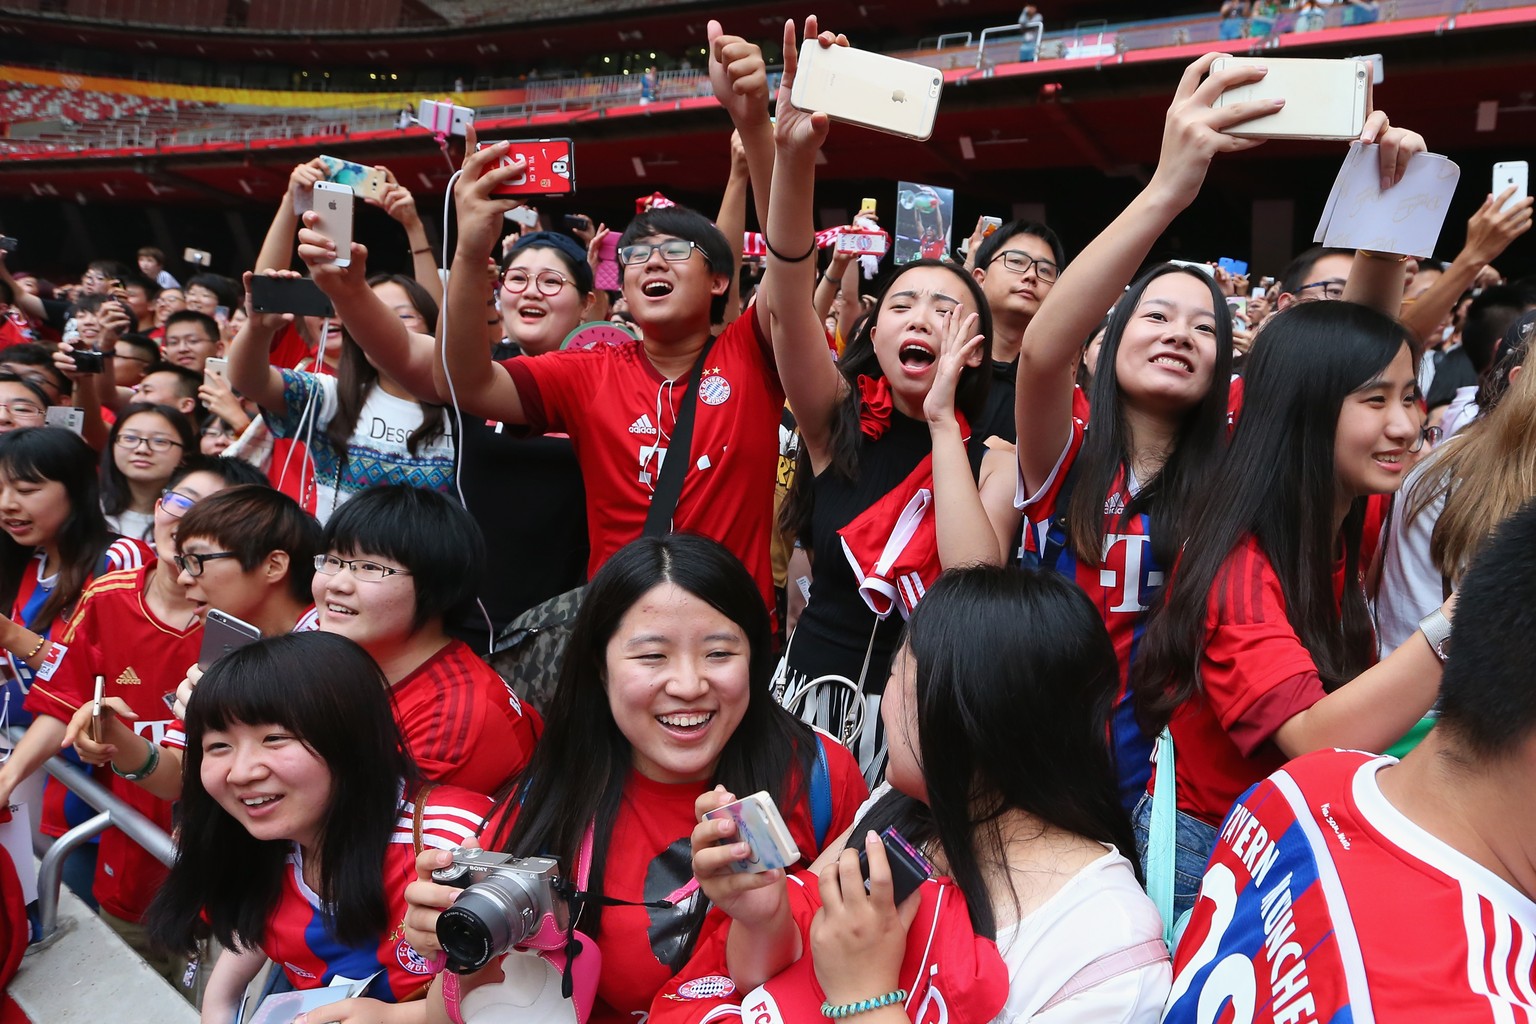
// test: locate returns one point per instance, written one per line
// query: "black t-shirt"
(834, 629)
(1455, 371)
(526, 493)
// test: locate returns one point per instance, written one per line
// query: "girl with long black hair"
(663, 693)
(1000, 773)
(299, 826)
(1265, 620)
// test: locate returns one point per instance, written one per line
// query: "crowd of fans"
(1073, 570)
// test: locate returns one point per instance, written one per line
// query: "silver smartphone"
(222, 633)
(1324, 99)
(65, 416)
(1512, 172)
(333, 205)
(868, 89)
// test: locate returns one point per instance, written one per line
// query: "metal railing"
(113, 813)
(957, 51)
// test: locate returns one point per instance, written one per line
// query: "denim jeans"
(1193, 842)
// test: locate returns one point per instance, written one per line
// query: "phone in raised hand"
(333, 212)
(1512, 172)
(760, 825)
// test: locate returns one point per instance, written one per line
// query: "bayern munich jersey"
(1323, 902)
(299, 939)
(1121, 587)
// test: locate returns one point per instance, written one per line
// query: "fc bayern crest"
(714, 986)
(411, 960)
(714, 389)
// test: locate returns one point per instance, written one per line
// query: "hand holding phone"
(333, 218)
(1511, 173)
(1324, 99)
(909, 868)
(101, 688)
(760, 825)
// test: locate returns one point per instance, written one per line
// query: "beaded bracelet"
(863, 1005)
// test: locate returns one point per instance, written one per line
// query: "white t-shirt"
(1100, 911)
(134, 525)
(1411, 586)
(377, 452)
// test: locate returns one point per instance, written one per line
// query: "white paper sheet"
(1406, 218)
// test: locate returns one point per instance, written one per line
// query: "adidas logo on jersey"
(1114, 505)
(129, 678)
(643, 425)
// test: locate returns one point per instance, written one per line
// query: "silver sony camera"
(506, 902)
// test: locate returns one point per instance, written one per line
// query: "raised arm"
(401, 354)
(398, 202)
(1376, 278)
(277, 248)
(732, 221)
(742, 89)
(810, 378)
(462, 357)
(965, 534)
(1193, 133)
(1489, 233)
(250, 353)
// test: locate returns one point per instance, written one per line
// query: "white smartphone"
(216, 365)
(445, 118)
(868, 89)
(196, 257)
(1324, 99)
(65, 416)
(100, 692)
(333, 203)
(527, 216)
(1512, 172)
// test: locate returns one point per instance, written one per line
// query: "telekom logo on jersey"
(1125, 567)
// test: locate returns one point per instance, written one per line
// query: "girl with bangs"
(301, 818)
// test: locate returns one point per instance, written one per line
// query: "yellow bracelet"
(42, 642)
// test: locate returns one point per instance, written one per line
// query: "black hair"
(209, 325)
(40, 357)
(225, 289)
(1106, 452)
(422, 299)
(1296, 271)
(859, 359)
(1015, 682)
(569, 253)
(134, 279)
(112, 270)
(253, 521)
(1083, 377)
(1489, 316)
(7, 377)
(233, 472)
(331, 696)
(1487, 704)
(422, 531)
(116, 495)
(578, 773)
(990, 246)
(692, 226)
(1277, 483)
(188, 380)
(37, 455)
(1512, 352)
(145, 344)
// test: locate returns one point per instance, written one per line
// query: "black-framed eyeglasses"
(548, 282)
(674, 250)
(1020, 262)
(192, 564)
(1333, 288)
(220, 430)
(1427, 436)
(361, 568)
(176, 505)
(129, 441)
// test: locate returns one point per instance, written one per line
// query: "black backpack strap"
(669, 487)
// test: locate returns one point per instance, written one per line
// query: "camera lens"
(487, 920)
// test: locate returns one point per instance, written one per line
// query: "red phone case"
(551, 168)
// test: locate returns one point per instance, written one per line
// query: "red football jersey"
(649, 859)
(462, 723)
(299, 939)
(620, 414)
(1255, 673)
(1121, 587)
(115, 635)
(1324, 902)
